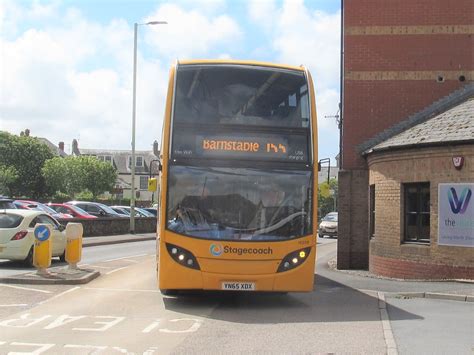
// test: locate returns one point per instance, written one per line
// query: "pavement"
(116, 239)
(363, 280)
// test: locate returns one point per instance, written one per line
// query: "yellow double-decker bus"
(238, 204)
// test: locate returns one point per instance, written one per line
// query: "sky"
(66, 67)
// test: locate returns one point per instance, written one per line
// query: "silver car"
(328, 225)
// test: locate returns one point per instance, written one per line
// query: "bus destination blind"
(241, 146)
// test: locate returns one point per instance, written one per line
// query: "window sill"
(416, 243)
(415, 248)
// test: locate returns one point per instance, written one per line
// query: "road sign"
(42, 233)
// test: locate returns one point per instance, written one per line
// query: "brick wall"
(113, 226)
(394, 52)
(352, 243)
(389, 256)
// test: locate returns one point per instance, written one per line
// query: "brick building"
(401, 58)
(414, 232)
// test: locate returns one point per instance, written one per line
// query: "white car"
(17, 238)
(328, 225)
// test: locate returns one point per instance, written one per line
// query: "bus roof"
(240, 62)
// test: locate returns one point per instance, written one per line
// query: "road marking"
(14, 305)
(194, 327)
(97, 266)
(41, 348)
(120, 268)
(120, 350)
(152, 326)
(92, 347)
(119, 289)
(24, 321)
(131, 261)
(387, 328)
(126, 257)
(25, 288)
(60, 294)
(105, 325)
(150, 351)
(63, 320)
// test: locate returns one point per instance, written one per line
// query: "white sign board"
(456, 214)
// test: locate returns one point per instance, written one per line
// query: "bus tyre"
(169, 292)
(29, 258)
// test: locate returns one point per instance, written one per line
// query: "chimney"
(61, 146)
(155, 149)
(75, 148)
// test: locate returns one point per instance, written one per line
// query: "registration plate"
(238, 286)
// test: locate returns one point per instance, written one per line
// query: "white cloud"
(66, 77)
(72, 77)
(264, 13)
(190, 33)
(299, 35)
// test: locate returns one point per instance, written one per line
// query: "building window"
(138, 161)
(106, 158)
(417, 212)
(372, 210)
(143, 182)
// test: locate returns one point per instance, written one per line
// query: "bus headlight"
(294, 259)
(182, 256)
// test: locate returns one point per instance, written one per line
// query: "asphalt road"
(123, 311)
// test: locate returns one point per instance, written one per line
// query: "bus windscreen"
(238, 95)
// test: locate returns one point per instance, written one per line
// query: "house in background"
(145, 161)
(56, 150)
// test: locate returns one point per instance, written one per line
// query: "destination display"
(241, 146)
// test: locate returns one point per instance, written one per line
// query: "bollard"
(73, 244)
(42, 251)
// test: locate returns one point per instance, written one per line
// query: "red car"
(33, 205)
(74, 211)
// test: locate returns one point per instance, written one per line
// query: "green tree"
(99, 176)
(327, 197)
(8, 178)
(74, 175)
(27, 156)
(55, 174)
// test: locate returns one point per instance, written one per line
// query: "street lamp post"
(132, 199)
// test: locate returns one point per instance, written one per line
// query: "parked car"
(6, 203)
(120, 211)
(96, 209)
(74, 211)
(140, 212)
(152, 210)
(17, 234)
(328, 225)
(33, 205)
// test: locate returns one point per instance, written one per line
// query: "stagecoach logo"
(459, 205)
(216, 249)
